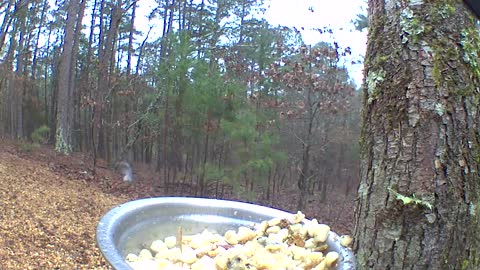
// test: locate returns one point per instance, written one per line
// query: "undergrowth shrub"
(40, 135)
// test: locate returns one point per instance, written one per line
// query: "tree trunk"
(8, 17)
(106, 56)
(37, 41)
(419, 203)
(19, 88)
(74, 89)
(305, 177)
(63, 137)
(85, 89)
(131, 33)
(14, 81)
(11, 85)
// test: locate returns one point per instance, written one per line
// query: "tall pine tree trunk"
(106, 58)
(419, 196)
(8, 17)
(85, 89)
(74, 91)
(63, 137)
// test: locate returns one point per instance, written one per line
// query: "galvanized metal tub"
(129, 227)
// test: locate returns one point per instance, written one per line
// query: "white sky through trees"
(302, 14)
(309, 14)
(337, 14)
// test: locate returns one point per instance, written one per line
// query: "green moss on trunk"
(420, 137)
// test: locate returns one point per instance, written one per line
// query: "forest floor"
(50, 205)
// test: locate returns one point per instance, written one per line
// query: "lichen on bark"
(61, 145)
(420, 137)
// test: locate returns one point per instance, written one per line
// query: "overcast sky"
(337, 14)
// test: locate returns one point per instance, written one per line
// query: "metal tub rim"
(115, 224)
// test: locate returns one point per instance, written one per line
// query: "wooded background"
(220, 101)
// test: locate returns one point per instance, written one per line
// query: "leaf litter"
(50, 205)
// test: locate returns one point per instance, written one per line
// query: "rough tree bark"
(7, 20)
(85, 89)
(419, 202)
(74, 91)
(106, 57)
(63, 137)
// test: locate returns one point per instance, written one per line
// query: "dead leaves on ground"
(47, 221)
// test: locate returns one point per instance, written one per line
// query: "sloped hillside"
(50, 205)
(47, 220)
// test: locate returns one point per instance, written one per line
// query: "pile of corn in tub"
(295, 244)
